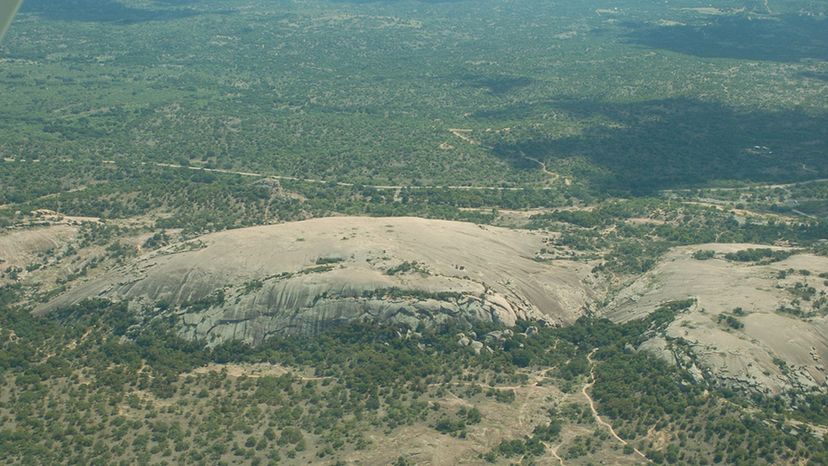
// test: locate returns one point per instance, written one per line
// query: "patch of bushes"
(704, 254)
(405, 267)
(764, 255)
(730, 321)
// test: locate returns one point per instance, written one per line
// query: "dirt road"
(595, 414)
(747, 188)
(448, 187)
(382, 187)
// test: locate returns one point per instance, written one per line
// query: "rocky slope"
(757, 326)
(301, 277)
(760, 326)
(20, 248)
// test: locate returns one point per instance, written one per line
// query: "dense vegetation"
(260, 87)
(87, 386)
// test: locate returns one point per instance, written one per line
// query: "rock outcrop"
(760, 327)
(302, 277)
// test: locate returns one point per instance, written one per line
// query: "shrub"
(704, 254)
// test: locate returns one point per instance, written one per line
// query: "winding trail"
(542, 166)
(464, 135)
(595, 414)
(554, 451)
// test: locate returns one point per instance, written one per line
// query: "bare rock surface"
(754, 326)
(302, 277)
(18, 248)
